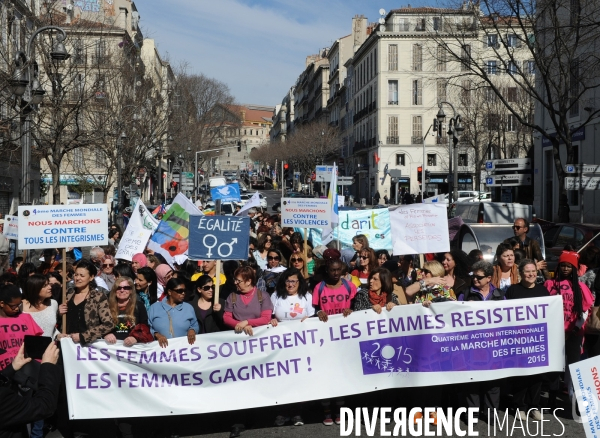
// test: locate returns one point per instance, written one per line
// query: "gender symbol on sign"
(215, 242)
(219, 237)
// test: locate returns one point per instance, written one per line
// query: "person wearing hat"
(577, 301)
(4, 249)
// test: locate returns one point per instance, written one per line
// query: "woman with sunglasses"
(275, 266)
(265, 243)
(298, 262)
(126, 312)
(107, 274)
(380, 293)
(481, 288)
(172, 318)
(432, 287)
(208, 313)
(368, 263)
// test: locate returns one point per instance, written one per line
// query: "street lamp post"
(454, 129)
(120, 138)
(25, 80)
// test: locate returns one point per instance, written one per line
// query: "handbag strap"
(170, 323)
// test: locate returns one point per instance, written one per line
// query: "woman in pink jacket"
(577, 302)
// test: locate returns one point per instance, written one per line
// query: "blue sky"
(257, 47)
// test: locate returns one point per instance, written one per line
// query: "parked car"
(491, 212)
(576, 235)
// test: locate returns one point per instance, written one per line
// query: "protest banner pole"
(421, 261)
(305, 243)
(217, 281)
(64, 289)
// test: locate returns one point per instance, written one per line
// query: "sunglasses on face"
(179, 291)
(273, 258)
(207, 288)
(109, 265)
(517, 227)
(364, 257)
(478, 277)
(124, 288)
(293, 260)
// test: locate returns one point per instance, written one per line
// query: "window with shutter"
(417, 130)
(417, 57)
(417, 92)
(441, 58)
(392, 130)
(393, 57)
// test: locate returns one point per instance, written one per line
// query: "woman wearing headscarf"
(138, 261)
(163, 275)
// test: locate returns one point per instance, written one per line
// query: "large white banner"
(11, 227)
(62, 226)
(296, 361)
(420, 229)
(139, 229)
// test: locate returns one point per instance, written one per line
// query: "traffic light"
(286, 172)
(427, 175)
(420, 174)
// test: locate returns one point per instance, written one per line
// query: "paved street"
(217, 425)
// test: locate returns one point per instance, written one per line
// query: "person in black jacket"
(17, 411)
(208, 313)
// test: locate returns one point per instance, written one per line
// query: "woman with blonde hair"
(127, 313)
(432, 287)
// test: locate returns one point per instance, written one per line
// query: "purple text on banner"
(476, 350)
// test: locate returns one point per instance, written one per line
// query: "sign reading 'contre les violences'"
(305, 212)
(62, 226)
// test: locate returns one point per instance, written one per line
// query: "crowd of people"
(146, 300)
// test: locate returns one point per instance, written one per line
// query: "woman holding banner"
(433, 287)
(88, 314)
(380, 293)
(246, 308)
(456, 266)
(208, 313)
(130, 319)
(172, 318)
(527, 389)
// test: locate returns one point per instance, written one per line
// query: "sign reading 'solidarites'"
(62, 226)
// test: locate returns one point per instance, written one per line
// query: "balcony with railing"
(416, 139)
(392, 102)
(393, 140)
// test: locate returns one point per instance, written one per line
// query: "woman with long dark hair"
(506, 272)
(38, 302)
(25, 271)
(577, 301)
(457, 267)
(292, 299)
(368, 263)
(145, 286)
(208, 313)
(380, 293)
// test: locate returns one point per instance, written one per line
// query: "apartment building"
(283, 117)
(311, 91)
(400, 74)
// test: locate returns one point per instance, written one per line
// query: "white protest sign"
(450, 342)
(341, 200)
(305, 212)
(11, 227)
(139, 229)
(420, 229)
(62, 226)
(585, 376)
